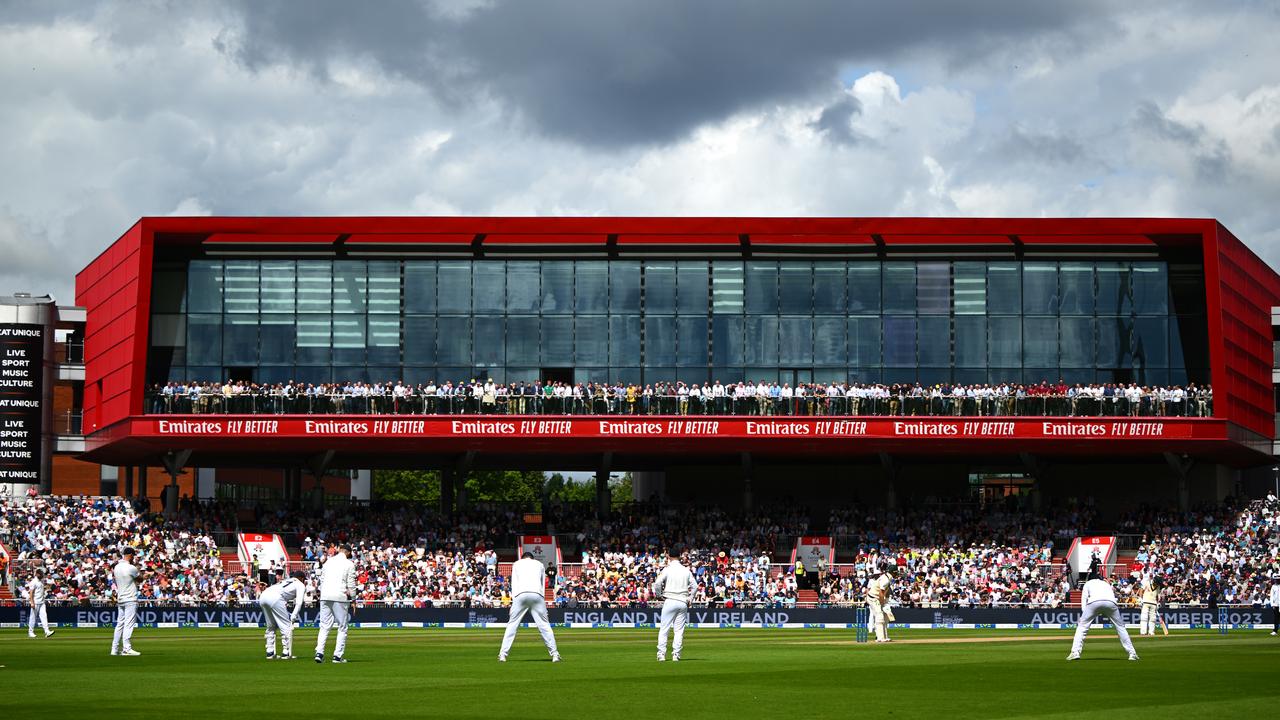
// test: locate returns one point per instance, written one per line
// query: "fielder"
(1150, 606)
(675, 585)
(878, 603)
(274, 602)
(36, 596)
(126, 577)
(528, 588)
(1098, 600)
(337, 590)
(1275, 604)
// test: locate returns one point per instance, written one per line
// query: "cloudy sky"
(116, 110)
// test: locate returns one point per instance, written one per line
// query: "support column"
(1180, 465)
(173, 464)
(127, 489)
(602, 494)
(446, 492)
(748, 470)
(142, 481)
(891, 471)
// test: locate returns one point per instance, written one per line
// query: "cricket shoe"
(130, 651)
(1133, 656)
(286, 657)
(1073, 656)
(502, 658)
(675, 658)
(338, 659)
(1273, 633)
(319, 657)
(31, 635)
(271, 656)
(50, 633)
(555, 658)
(662, 658)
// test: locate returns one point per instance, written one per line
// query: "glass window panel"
(899, 290)
(168, 331)
(691, 287)
(795, 340)
(1076, 279)
(795, 288)
(1076, 342)
(557, 288)
(314, 339)
(762, 288)
(971, 342)
(384, 286)
(490, 344)
(241, 286)
(1004, 338)
(204, 340)
(624, 286)
(1115, 289)
(691, 340)
(591, 294)
(591, 375)
(204, 286)
(489, 280)
(313, 374)
(523, 340)
(970, 288)
(524, 286)
(864, 341)
(933, 288)
(420, 286)
(900, 340)
(728, 374)
(727, 340)
(349, 340)
(829, 346)
(828, 287)
(1004, 288)
(453, 290)
(899, 375)
(420, 340)
(761, 340)
(240, 340)
(865, 375)
(659, 374)
(659, 338)
(727, 288)
(277, 285)
(659, 287)
(1110, 342)
(864, 287)
(315, 286)
(591, 339)
(928, 376)
(350, 287)
(384, 339)
(278, 339)
(557, 341)
(1040, 288)
(1151, 341)
(625, 375)
(935, 345)
(169, 291)
(624, 340)
(1039, 342)
(453, 338)
(1150, 288)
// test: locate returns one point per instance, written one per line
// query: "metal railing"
(69, 422)
(1030, 406)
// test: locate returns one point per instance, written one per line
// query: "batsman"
(878, 603)
(1150, 606)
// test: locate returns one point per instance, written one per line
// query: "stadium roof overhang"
(654, 442)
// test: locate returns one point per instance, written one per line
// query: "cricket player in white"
(528, 586)
(1098, 600)
(337, 590)
(36, 596)
(126, 576)
(1274, 598)
(675, 585)
(274, 602)
(1150, 606)
(878, 604)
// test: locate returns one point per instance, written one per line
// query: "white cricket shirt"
(675, 582)
(126, 576)
(35, 586)
(528, 576)
(1096, 590)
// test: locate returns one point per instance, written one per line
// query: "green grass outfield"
(731, 673)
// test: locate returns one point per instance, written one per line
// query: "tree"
(407, 486)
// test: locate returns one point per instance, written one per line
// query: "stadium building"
(1046, 322)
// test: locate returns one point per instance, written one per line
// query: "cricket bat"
(1163, 627)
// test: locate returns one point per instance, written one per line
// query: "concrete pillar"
(645, 485)
(602, 494)
(206, 484)
(170, 497)
(446, 492)
(362, 485)
(127, 490)
(142, 481)
(1184, 493)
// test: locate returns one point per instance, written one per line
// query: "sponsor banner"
(668, 427)
(543, 548)
(21, 389)
(218, 616)
(810, 549)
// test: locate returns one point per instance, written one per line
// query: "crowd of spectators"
(677, 398)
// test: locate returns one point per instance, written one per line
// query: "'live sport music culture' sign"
(21, 385)
(667, 427)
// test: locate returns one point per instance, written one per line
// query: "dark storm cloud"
(835, 121)
(609, 72)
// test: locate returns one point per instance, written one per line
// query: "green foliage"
(528, 487)
(407, 486)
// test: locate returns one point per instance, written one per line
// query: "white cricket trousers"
(1148, 623)
(277, 618)
(879, 623)
(126, 621)
(333, 612)
(1092, 613)
(31, 619)
(675, 614)
(528, 604)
